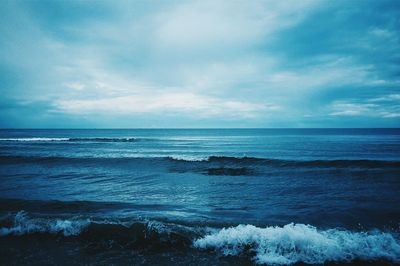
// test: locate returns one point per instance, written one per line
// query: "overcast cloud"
(199, 63)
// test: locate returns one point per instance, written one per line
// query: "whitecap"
(294, 243)
(24, 225)
(35, 139)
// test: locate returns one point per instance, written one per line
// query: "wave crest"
(93, 139)
(24, 225)
(212, 165)
(139, 233)
(290, 244)
(294, 243)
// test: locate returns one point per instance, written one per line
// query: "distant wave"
(295, 243)
(280, 162)
(94, 139)
(253, 161)
(213, 164)
(309, 163)
(290, 244)
(34, 139)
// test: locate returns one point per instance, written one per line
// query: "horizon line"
(186, 128)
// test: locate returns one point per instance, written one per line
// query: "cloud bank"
(199, 63)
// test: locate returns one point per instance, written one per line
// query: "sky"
(233, 63)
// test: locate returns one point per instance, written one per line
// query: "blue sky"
(199, 63)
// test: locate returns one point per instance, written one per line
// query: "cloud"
(205, 25)
(352, 109)
(379, 108)
(382, 33)
(387, 98)
(270, 62)
(75, 86)
(390, 115)
(160, 102)
(327, 72)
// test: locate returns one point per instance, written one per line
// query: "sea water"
(200, 196)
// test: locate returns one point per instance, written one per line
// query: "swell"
(218, 161)
(92, 139)
(310, 163)
(134, 232)
(300, 243)
(56, 206)
(272, 245)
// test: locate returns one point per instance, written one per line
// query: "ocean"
(200, 197)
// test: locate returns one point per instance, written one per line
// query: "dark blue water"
(283, 196)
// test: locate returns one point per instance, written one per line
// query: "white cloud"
(328, 72)
(382, 33)
(90, 68)
(75, 85)
(161, 102)
(386, 98)
(366, 109)
(351, 109)
(390, 115)
(220, 25)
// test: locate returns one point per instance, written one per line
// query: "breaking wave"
(94, 139)
(302, 163)
(23, 225)
(299, 243)
(140, 233)
(217, 164)
(35, 139)
(290, 244)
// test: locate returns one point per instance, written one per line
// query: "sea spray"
(295, 243)
(24, 225)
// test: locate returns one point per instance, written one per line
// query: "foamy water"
(177, 189)
(24, 225)
(294, 243)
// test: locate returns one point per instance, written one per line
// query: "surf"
(295, 243)
(271, 245)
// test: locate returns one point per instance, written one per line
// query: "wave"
(121, 139)
(310, 163)
(34, 139)
(138, 232)
(290, 244)
(23, 225)
(94, 139)
(299, 243)
(211, 165)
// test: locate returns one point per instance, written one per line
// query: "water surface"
(284, 195)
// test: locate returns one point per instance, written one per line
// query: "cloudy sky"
(199, 63)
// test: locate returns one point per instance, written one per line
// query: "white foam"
(35, 139)
(295, 243)
(25, 225)
(189, 158)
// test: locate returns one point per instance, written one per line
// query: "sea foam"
(35, 139)
(24, 225)
(90, 139)
(290, 244)
(294, 243)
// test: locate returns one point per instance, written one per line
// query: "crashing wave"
(24, 225)
(290, 244)
(35, 139)
(295, 243)
(143, 233)
(93, 139)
